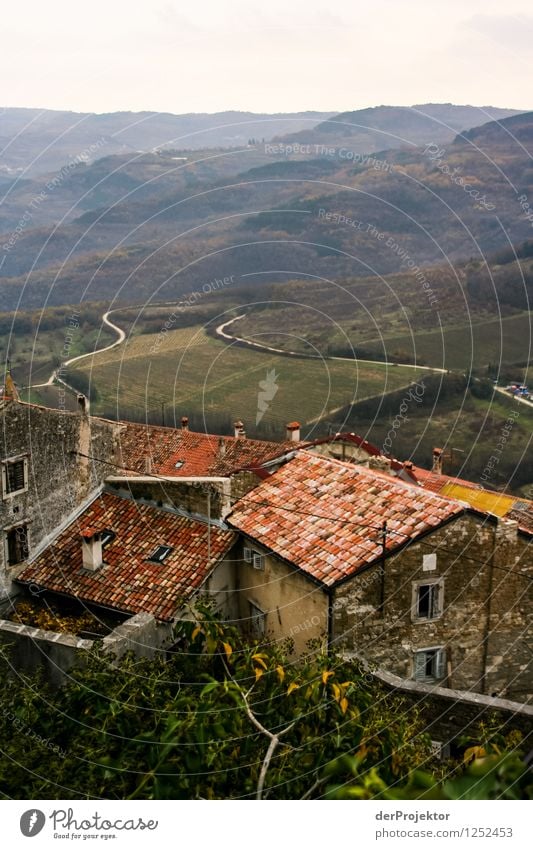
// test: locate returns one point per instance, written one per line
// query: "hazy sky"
(212, 55)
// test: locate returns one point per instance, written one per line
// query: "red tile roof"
(484, 500)
(128, 581)
(202, 454)
(325, 516)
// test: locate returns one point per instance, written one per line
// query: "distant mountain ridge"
(387, 127)
(40, 140)
(139, 226)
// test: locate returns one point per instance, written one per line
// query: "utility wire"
(379, 528)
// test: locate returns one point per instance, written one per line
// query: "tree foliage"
(226, 718)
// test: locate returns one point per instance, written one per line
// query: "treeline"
(53, 318)
(508, 278)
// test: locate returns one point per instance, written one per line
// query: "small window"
(14, 476)
(258, 560)
(160, 554)
(427, 600)
(430, 665)
(17, 545)
(257, 617)
(247, 553)
(179, 464)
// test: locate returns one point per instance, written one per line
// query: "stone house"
(52, 461)
(116, 554)
(424, 586)
(354, 551)
(46, 474)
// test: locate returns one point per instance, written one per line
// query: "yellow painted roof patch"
(481, 499)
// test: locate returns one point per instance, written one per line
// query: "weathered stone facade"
(482, 625)
(56, 448)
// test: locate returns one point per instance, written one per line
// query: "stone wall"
(450, 714)
(483, 627)
(31, 649)
(142, 634)
(60, 477)
(196, 498)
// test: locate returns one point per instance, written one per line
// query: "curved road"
(221, 332)
(55, 376)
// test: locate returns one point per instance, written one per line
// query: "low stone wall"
(450, 714)
(141, 634)
(32, 649)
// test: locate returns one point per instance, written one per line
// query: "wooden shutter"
(440, 664)
(420, 665)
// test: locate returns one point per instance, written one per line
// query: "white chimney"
(184, 423)
(221, 447)
(91, 548)
(148, 465)
(437, 461)
(293, 432)
(239, 429)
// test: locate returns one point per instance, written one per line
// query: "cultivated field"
(192, 373)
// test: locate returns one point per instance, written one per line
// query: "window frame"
(25, 547)
(167, 549)
(257, 614)
(439, 663)
(254, 558)
(11, 461)
(437, 587)
(258, 560)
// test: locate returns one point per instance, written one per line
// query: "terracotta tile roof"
(325, 515)
(184, 453)
(128, 581)
(481, 499)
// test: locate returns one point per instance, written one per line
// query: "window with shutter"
(14, 476)
(258, 561)
(430, 664)
(440, 664)
(427, 600)
(247, 554)
(17, 545)
(257, 617)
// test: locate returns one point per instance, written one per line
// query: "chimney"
(239, 429)
(83, 404)
(221, 447)
(184, 423)
(408, 465)
(91, 548)
(10, 390)
(148, 465)
(293, 432)
(437, 461)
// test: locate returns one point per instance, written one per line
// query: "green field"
(469, 429)
(194, 374)
(473, 346)
(392, 322)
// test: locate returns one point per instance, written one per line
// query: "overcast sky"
(213, 55)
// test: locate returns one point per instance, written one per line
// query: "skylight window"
(160, 554)
(107, 537)
(179, 464)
